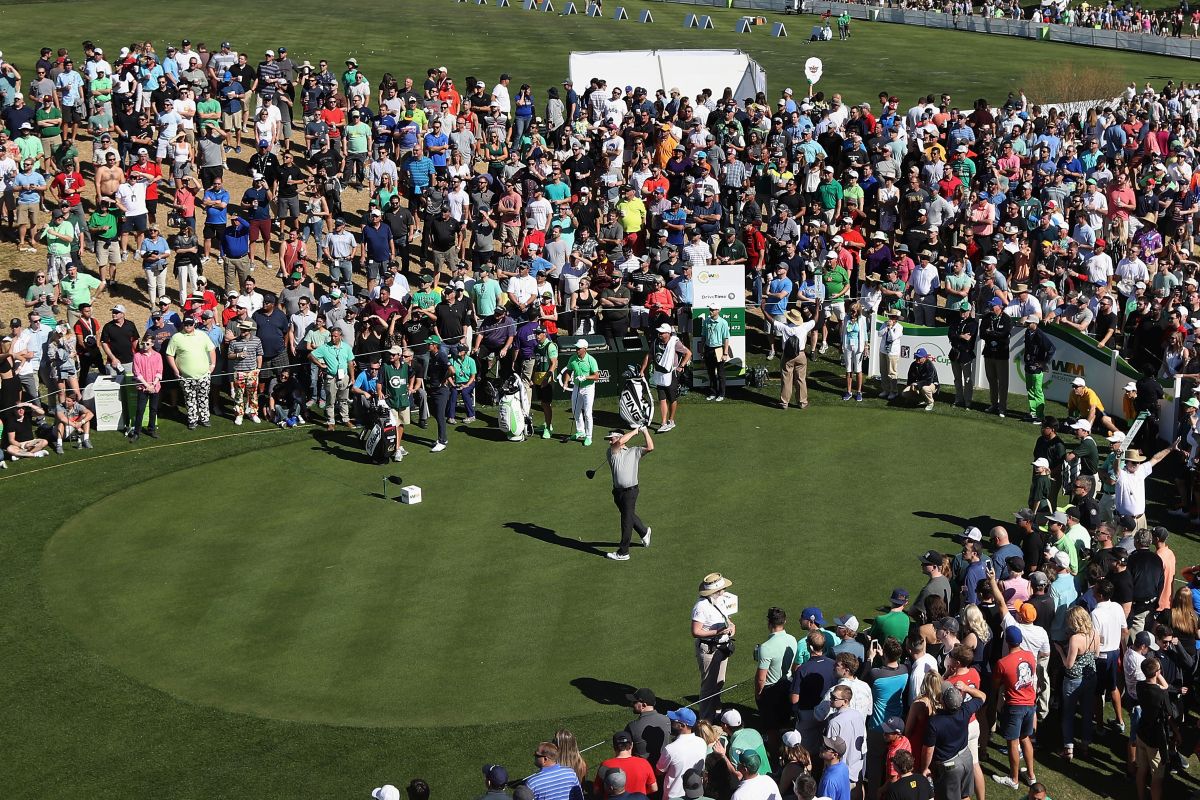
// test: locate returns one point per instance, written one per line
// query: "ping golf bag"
(379, 438)
(636, 401)
(512, 413)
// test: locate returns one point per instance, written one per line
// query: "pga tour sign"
(725, 286)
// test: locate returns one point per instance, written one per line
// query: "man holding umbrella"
(623, 461)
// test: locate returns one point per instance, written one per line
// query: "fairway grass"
(251, 609)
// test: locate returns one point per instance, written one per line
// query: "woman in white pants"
(580, 375)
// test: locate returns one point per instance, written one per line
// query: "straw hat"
(714, 582)
(1134, 456)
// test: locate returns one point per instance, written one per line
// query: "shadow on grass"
(543, 534)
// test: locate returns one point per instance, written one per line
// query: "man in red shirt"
(896, 741)
(756, 255)
(959, 672)
(639, 775)
(1016, 675)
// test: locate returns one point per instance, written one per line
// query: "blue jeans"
(467, 393)
(341, 271)
(756, 285)
(1078, 694)
(316, 229)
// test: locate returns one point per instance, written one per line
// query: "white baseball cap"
(581, 343)
(1079, 382)
(386, 792)
(1082, 425)
(1041, 462)
(732, 717)
(1130, 387)
(1116, 437)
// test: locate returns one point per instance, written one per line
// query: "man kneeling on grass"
(922, 384)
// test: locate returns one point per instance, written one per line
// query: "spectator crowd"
(410, 240)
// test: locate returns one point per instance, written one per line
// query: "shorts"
(260, 229)
(232, 121)
(213, 232)
(289, 207)
(1016, 722)
(545, 392)
(27, 214)
(1108, 672)
(160, 149)
(836, 311)
(373, 270)
(852, 361)
(108, 252)
(1151, 759)
(72, 115)
(670, 392)
(402, 417)
(136, 224)
(49, 143)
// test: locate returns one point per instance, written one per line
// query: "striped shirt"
(555, 782)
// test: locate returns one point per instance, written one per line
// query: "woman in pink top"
(148, 372)
(185, 200)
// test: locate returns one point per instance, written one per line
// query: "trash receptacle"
(104, 396)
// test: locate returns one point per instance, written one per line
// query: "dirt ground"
(17, 270)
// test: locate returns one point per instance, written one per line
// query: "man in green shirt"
(102, 225)
(77, 290)
(714, 333)
(30, 146)
(335, 359)
(772, 681)
(837, 288)
(896, 622)
(48, 119)
(358, 146)
(59, 236)
(830, 194)
(394, 385)
(193, 357)
(582, 374)
(486, 293)
(545, 364)
(208, 110)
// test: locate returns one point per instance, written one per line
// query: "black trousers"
(716, 371)
(439, 399)
(626, 500)
(613, 331)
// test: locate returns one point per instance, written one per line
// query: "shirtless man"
(108, 178)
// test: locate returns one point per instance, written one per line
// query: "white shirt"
(916, 675)
(94, 68)
(1034, 638)
(862, 700)
(522, 288)
(760, 787)
(500, 95)
(1133, 269)
(1133, 671)
(1096, 206)
(32, 341)
(687, 751)
(709, 615)
(1108, 619)
(186, 109)
(132, 198)
(459, 202)
(1131, 490)
(539, 211)
(1099, 268)
(924, 280)
(889, 339)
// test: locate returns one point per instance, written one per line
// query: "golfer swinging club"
(623, 461)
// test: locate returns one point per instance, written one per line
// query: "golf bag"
(379, 437)
(513, 408)
(636, 401)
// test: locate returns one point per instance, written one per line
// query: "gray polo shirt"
(624, 466)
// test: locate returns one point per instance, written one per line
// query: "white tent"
(690, 71)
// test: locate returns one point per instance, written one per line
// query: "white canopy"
(690, 71)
